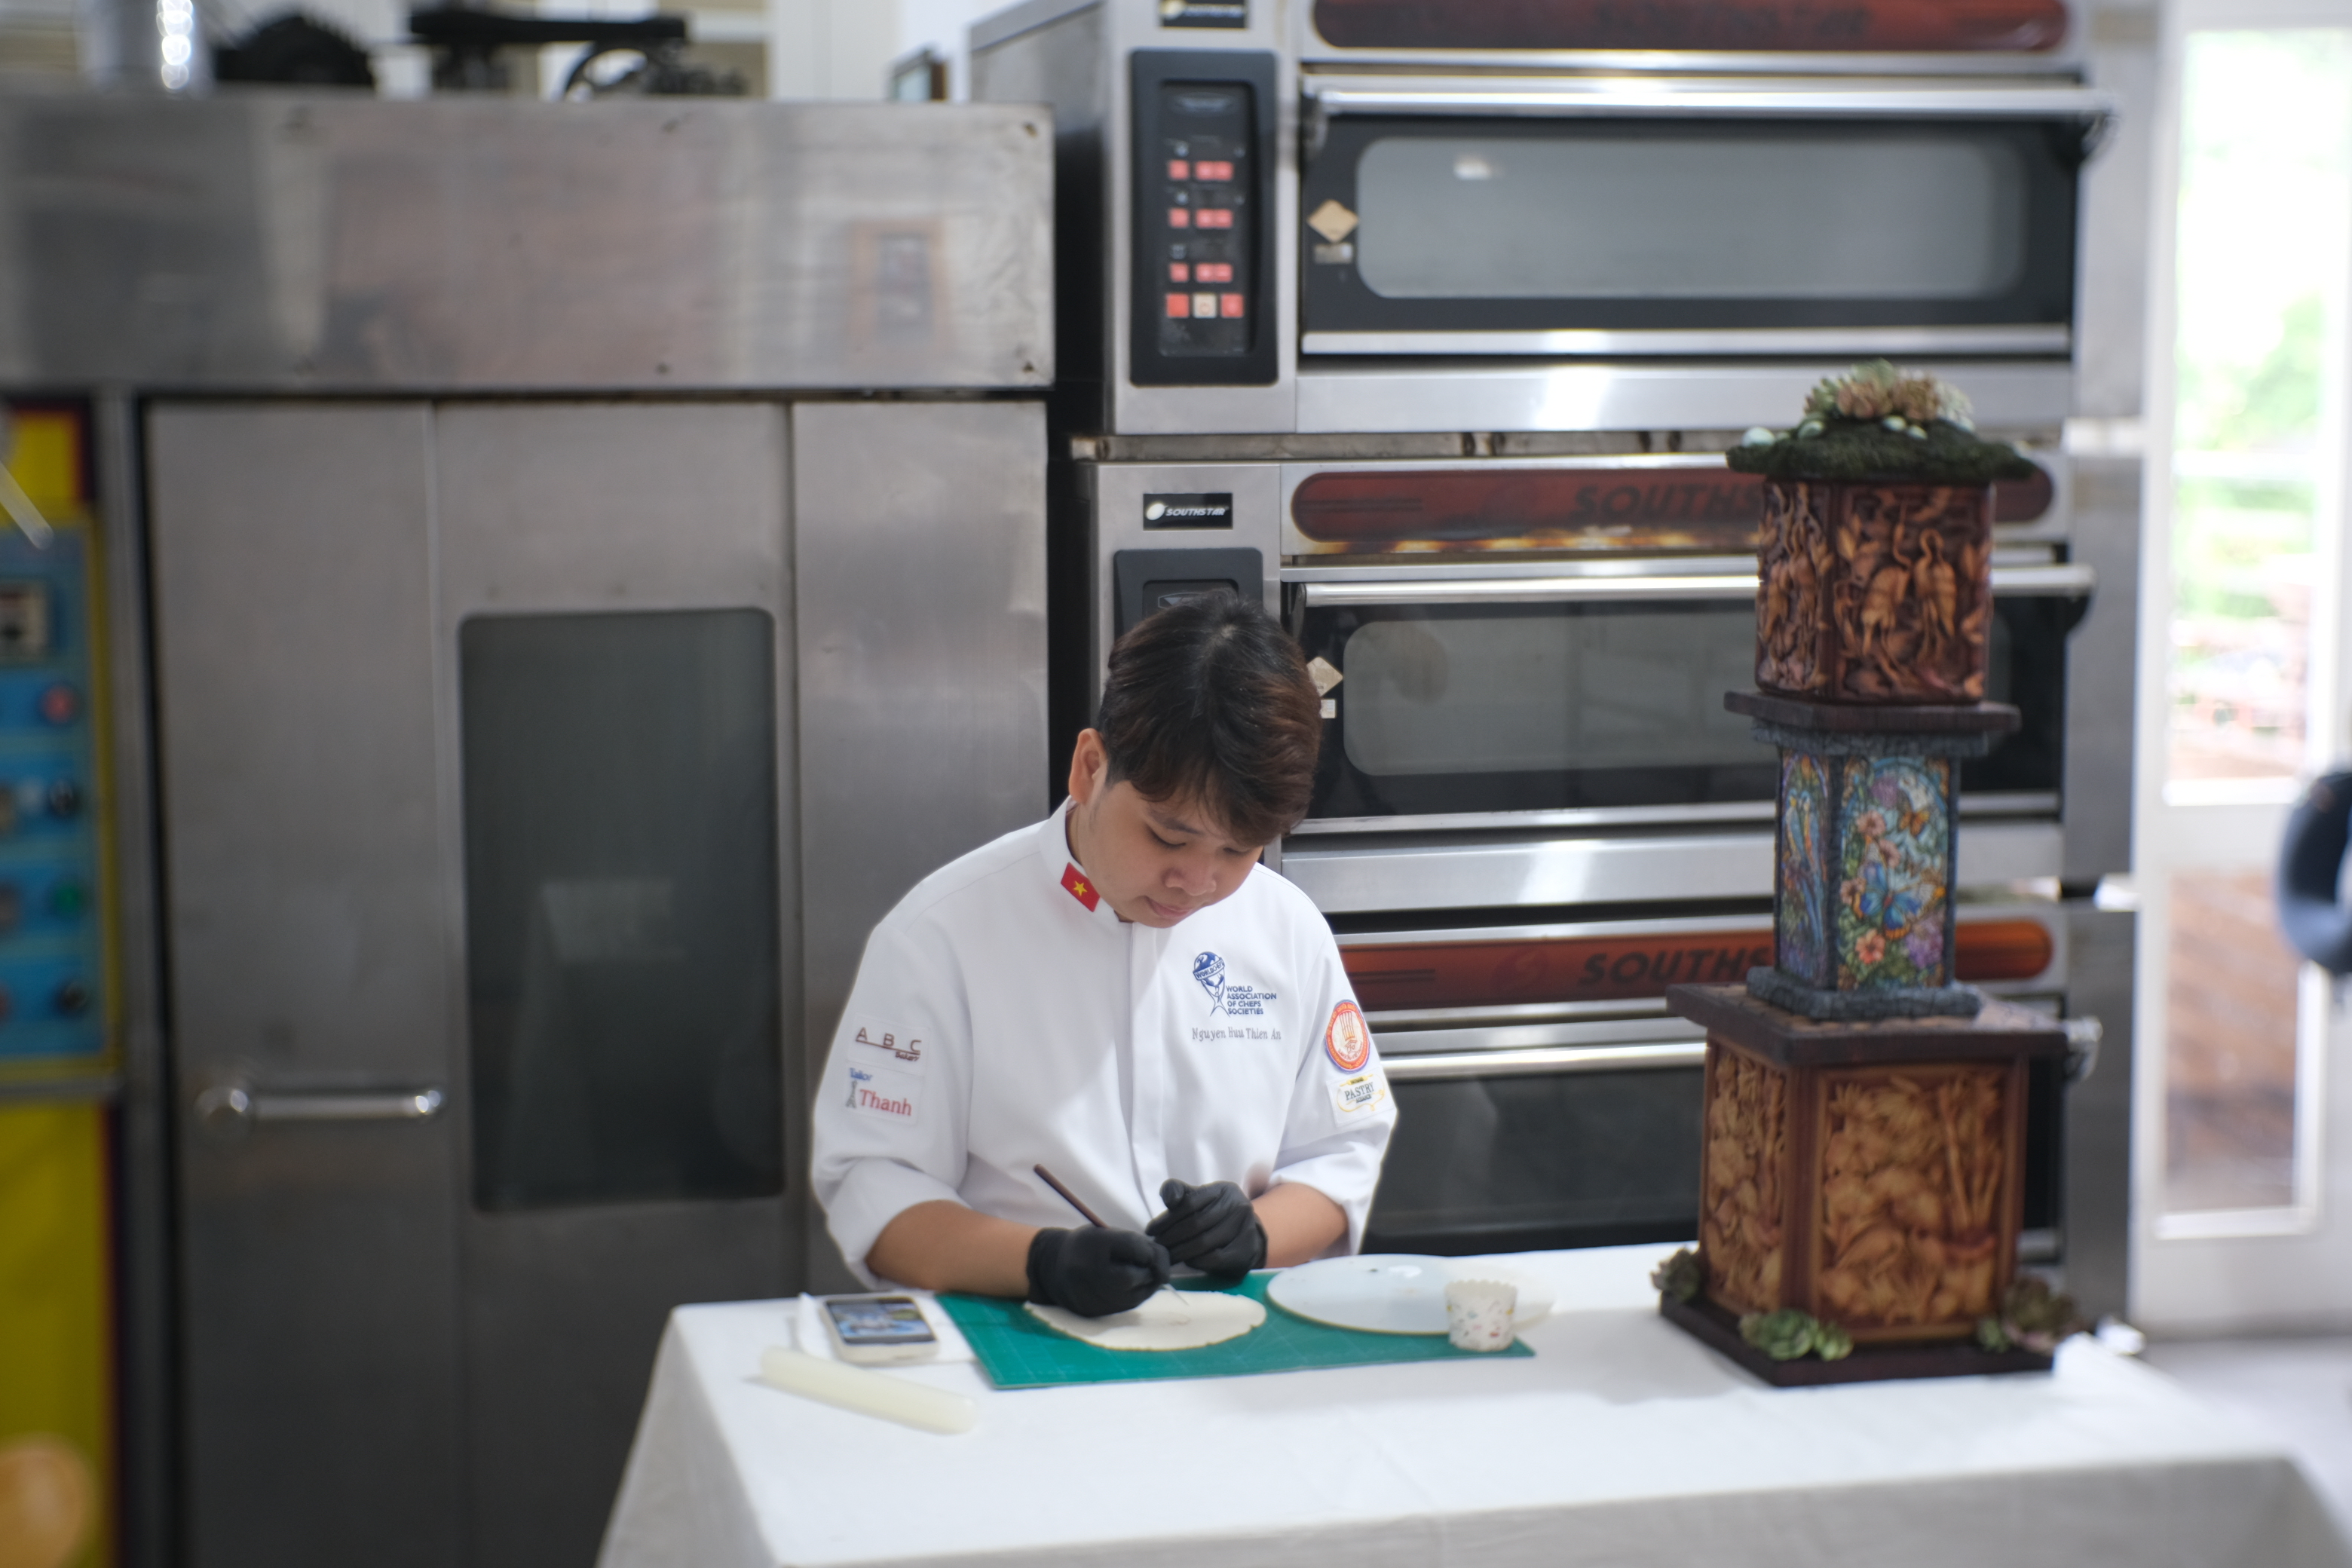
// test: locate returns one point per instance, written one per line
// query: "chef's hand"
(1212, 1227)
(1095, 1272)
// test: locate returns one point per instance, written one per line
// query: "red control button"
(1214, 272)
(60, 704)
(1216, 217)
(1178, 169)
(1180, 306)
(1182, 217)
(1179, 273)
(1214, 172)
(1229, 305)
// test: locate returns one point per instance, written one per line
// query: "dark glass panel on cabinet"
(621, 907)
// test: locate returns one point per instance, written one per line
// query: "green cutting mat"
(1019, 1352)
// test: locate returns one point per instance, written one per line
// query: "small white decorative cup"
(1478, 1314)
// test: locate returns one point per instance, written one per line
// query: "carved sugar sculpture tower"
(1865, 1114)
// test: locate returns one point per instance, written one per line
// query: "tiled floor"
(2299, 1388)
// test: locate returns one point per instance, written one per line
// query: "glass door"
(1556, 219)
(1467, 698)
(2243, 1180)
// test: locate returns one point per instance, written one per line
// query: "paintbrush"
(1069, 1197)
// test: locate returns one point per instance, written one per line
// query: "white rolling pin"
(868, 1393)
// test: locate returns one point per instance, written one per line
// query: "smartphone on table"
(878, 1329)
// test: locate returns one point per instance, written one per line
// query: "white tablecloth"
(1621, 1442)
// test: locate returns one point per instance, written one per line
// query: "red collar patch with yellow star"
(1074, 883)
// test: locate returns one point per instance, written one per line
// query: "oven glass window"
(1609, 687)
(1717, 224)
(2002, 26)
(1759, 215)
(621, 950)
(1517, 1163)
(1447, 709)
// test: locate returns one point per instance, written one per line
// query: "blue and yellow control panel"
(54, 968)
(52, 949)
(58, 1056)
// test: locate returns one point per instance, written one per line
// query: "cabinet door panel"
(302, 830)
(614, 604)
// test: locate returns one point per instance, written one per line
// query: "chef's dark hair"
(1210, 700)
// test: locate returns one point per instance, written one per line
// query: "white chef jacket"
(1004, 1017)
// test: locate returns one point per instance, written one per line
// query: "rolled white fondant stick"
(868, 1393)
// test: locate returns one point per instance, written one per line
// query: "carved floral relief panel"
(1742, 1212)
(1874, 592)
(1912, 1194)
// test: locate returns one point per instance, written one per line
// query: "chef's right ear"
(1090, 768)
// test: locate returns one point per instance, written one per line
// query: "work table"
(1620, 1442)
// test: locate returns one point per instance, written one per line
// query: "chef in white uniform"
(1122, 995)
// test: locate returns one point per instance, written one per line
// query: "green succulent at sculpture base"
(1789, 1333)
(2033, 1316)
(1679, 1275)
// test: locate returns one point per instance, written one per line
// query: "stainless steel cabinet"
(476, 741)
(519, 760)
(548, 521)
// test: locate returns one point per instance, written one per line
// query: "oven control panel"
(1204, 220)
(1202, 244)
(53, 951)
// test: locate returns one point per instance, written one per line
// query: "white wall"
(816, 48)
(842, 49)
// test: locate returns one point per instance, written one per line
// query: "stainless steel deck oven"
(1342, 217)
(1430, 326)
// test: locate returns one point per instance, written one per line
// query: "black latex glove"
(1095, 1272)
(1211, 1226)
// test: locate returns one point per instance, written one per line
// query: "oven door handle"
(1616, 99)
(1545, 1059)
(2071, 579)
(1529, 590)
(231, 1109)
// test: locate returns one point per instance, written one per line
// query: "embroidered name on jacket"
(887, 1095)
(1227, 994)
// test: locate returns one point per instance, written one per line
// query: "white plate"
(1393, 1292)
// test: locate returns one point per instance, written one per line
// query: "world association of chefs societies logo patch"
(1210, 971)
(1228, 996)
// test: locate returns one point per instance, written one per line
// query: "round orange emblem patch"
(1345, 1040)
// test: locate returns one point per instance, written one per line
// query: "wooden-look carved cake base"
(1718, 1330)
(1869, 1174)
